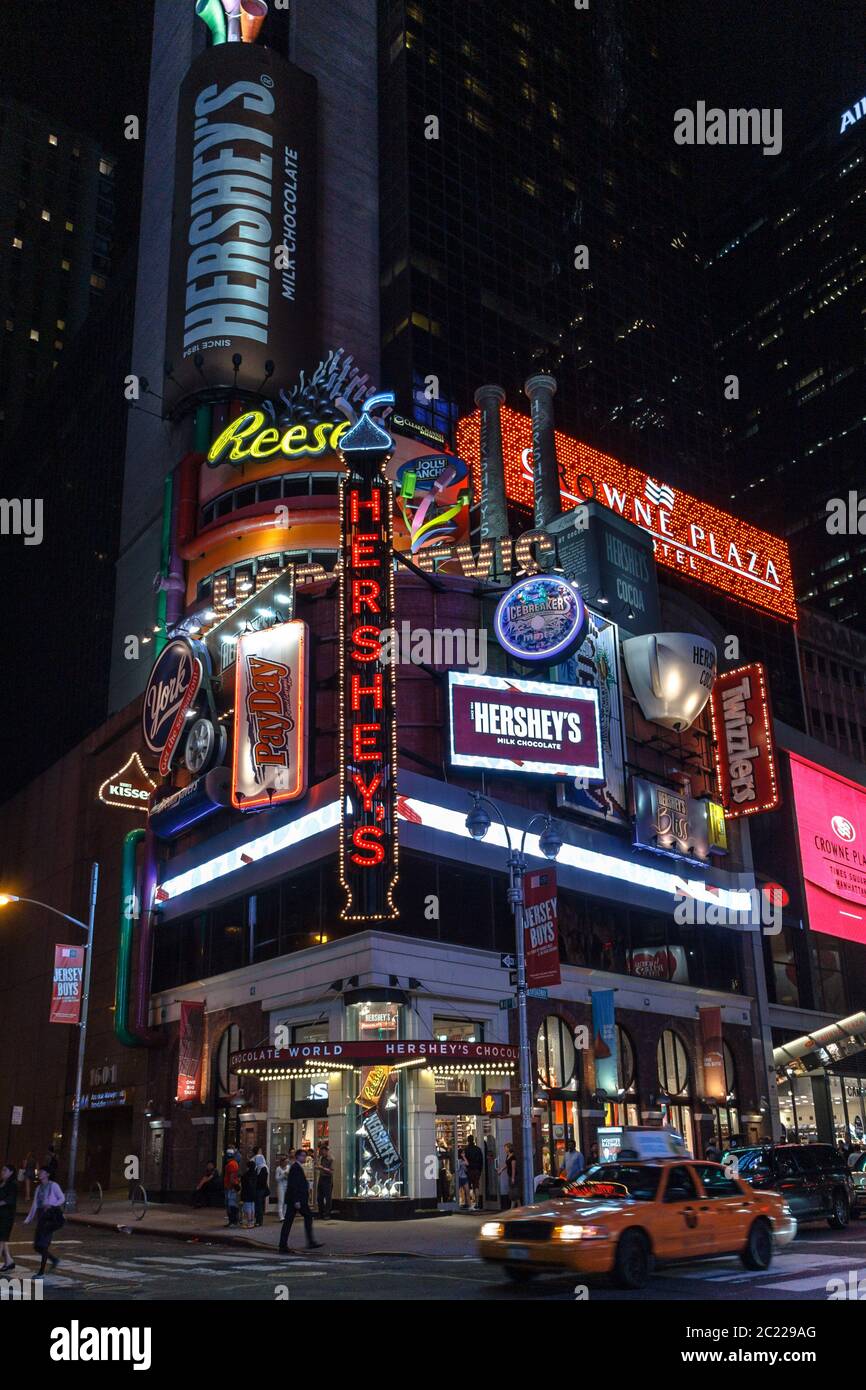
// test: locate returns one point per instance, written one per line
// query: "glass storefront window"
(377, 1116)
(555, 1054)
(458, 1030)
(785, 983)
(674, 1080)
(624, 1111)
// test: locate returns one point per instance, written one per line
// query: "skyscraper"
(788, 275)
(535, 216)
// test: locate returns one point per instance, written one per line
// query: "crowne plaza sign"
(689, 535)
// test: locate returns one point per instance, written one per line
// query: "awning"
(851, 1029)
(314, 1058)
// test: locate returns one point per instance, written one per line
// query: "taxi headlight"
(491, 1230)
(579, 1232)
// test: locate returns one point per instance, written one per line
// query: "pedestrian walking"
(573, 1164)
(8, 1203)
(712, 1152)
(462, 1180)
(231, 1187)
(263, 1184)
(206, 1185)
(248, 1194)
(511, 1165)
(475, 1163)
(281, 1173)
(325, 1189)
(298, 1200)
(47, 1208)
(504, 1182)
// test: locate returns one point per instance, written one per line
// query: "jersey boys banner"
(242, 274)
(190, 1052)
(270, 756)
(831, 824)
(516, 726)
(745, 748)
(689, 535)
(367, 732)
(67, 988)
(540, 932)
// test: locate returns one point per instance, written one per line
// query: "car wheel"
(518, 1275)
(841, 1212)
(759, 1247)
(633, 1262)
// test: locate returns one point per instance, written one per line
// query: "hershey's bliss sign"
(242, 273)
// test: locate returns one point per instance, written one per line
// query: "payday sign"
(509, 725)
(689, 535)
(270, 754)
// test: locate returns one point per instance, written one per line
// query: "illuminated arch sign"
(541, 619)
(690, 536)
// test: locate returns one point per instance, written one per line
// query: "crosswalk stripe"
(802, 1285)
(782, 1264)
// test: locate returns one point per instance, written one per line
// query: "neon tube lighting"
(453, 823)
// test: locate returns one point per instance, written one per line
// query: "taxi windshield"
(641, 1180)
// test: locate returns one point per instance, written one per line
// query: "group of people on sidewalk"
(46, 1207)
(246, 1193)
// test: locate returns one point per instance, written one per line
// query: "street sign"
(17, 1115)
(509, 1003)
(538, 993)
(512, 977)
(508, 960)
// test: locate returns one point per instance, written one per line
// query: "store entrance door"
(452, 1135)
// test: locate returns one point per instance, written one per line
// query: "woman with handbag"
(48, 1209)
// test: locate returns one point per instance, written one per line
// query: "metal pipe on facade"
(129, 905)
(548, 500)
(140, 1001)
(494, 503)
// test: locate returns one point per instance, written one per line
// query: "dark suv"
(813, 1178)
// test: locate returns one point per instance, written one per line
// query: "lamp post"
(549, 842)
(5, 899)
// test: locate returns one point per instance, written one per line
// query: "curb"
(223, 1238)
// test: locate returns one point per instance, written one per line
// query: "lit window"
(97, 282)
(61, 323)
(64, 265)
(106, 166)
(34, 335)
(52, 140)
(70, 226)
(58, 346)
(17, 243)
(10, 324)
(46, 215)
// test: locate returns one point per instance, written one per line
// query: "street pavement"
(358, 1263)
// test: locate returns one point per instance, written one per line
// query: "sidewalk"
(451, 1236)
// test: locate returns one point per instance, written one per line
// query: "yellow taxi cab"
(624, 1217)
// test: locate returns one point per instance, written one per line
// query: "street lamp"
(550, 843)
(5, 900)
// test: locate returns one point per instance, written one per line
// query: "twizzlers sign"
(367, 733)
(745, 748)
